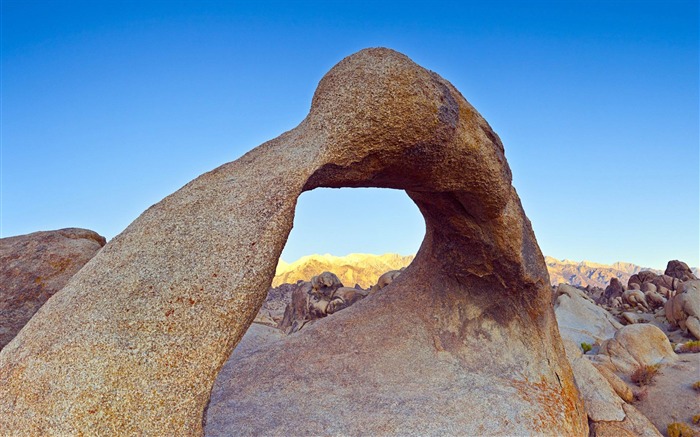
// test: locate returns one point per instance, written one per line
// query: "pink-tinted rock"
(34, 267)
(679, 270)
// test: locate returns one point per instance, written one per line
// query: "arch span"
(134, 341)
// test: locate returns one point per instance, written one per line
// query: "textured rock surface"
(134, 341)
(679, 270)
(35, 266)
(581, 320)
(683, 309)
(605, 397)
(272, 311)
(634, 425)
(599, 397)
(613, 290)
(617, 384)
(636, 345)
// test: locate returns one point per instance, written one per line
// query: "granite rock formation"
(354, 269)
(683, 309)
(580, 319)
(132, 344)
(679, 270)
(613, 290)
(635, 345)
(34, 267)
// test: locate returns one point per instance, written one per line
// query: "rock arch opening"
(347, 221)
(134, 342)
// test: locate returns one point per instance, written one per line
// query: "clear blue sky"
(107, 107)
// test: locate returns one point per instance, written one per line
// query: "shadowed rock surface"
(134, 341)
(34, 267)
(679, 270)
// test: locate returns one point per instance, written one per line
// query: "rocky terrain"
(356, 268)
(151, 336)
(607, 341)
(34, 267)
(363, 269)
(608, 334)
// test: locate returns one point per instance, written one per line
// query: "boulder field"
(466, 335)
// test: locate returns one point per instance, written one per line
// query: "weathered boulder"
(35, 266)
(580, 319)
(647, 287)
(683, 309)
(635, 298)
(133, 343)
(322, 296)
(635, 425)
(299, 311)
(617, 384)
(272, 310)
(343, 297)
(612, 291)
(595, 293)
(665, 281)
(384, 280)
(633, 346)
(604, 396)
(600, 399)
(679, 270)
(654, 299)
(325, 284)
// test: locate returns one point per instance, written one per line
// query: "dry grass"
(644, 375)
(696, 386)
(696, 419)
(678, 429)
(641, 394)
(689, 347)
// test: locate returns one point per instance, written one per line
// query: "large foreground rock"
(133, 343)
(34, 267)
(580, 319)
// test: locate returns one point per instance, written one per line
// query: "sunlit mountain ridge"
(364, 269)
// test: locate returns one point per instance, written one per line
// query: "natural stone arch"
(133, 343)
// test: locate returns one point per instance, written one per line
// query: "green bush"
(586, 347)
(689, 347)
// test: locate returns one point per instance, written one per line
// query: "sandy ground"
(671, 397)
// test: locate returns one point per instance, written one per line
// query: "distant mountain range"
(364, 269)
(356, 268)
(586, 273)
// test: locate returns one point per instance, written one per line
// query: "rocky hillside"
(364, 269)
(356, 268)
(586, 273)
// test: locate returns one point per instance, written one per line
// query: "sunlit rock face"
(464, 341)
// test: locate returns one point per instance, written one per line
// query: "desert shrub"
(696, 385)
(644, 375)
(689, 347)
(586, 347)
(641, 394)
(678, 429)
(696, 419)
